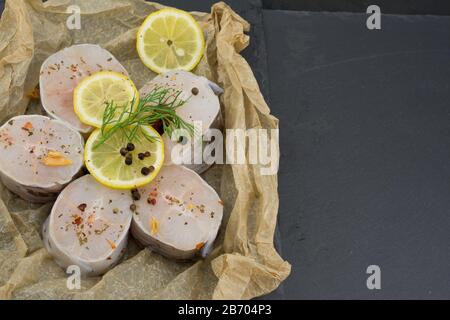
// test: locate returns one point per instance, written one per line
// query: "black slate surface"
(365, 171)
(436, 7)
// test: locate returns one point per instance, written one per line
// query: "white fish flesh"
(202, 104)
(88, 226)
(178, 214)
(30, 146)
(61, 73)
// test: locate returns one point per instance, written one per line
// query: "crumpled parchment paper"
(244, 263)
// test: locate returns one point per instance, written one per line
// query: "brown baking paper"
(244, 263)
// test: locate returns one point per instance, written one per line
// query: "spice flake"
(154, 226)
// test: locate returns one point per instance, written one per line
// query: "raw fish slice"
(88, 226)
(178, 214)
(26, 142)
(202, 105)
(61, 73)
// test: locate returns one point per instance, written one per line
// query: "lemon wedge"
(119, 164)
(92, 95)
(170, 39)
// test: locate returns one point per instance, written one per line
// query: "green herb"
(158, 105)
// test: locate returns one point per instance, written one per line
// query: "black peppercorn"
(141, 156)
(123, 151)
(135, 194)
(194, 91)
(151, 168)
(145, 171)
(128, 159)
(147, 153)
(130, 146)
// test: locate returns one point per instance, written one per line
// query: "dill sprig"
(158, 105)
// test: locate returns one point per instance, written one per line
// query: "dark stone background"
(435, 7)
(365, 140)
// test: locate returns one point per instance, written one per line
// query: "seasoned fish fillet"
(202, 104)
(39, 156)
(88, 226)
(61, 73)
(178, 214)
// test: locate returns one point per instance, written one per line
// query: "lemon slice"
(92, 95)
(108, 162)
(170, 39)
